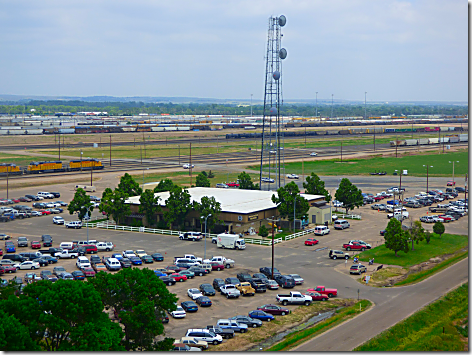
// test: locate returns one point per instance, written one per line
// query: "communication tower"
(272, 169)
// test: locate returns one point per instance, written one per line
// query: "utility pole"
(7, 181)
(427, 176)
(190, 167)
(179, 153)
(110, 149)
(59, 147)
(91, 172)
(396, 146)
(305, 137)
(341, 151)
(251, 105)
(273, 221)
(144, 141)
(465, 186)
(141, 153)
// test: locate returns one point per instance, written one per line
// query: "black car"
(259, 275)
(204, 301)
(243, 277)
(78, 275)
(55, 194)
(207, 290)
(232, 281)
(197, 270)
(189, 306)
(382, 232)
(50, 259)
(39, 205)
(251, 322)
(42, 261)
(268, 271)
(33, 197)
(59, 209)
(459, 189)
(46, 239)
(157, 257)
(169, 281)
(258, 285)
(125, 262)
(217, 283)
(95, 259)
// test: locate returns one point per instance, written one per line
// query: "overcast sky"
(394, 50)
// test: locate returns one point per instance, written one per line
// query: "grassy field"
(441, 326)
(448, 244)
(412, 163)
(21, 160)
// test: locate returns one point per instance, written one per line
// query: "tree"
(80, 203)
(140, 299)
(209, 206)
(416, 234)
(14, 336)
(245, 182)
(439, 228)
(315, 186)
(427, 236)
(64, 316)
(129, 186)
(288, 198)
(202, 181)
(263, 231)
(178, 206)
(164, 185)
(349, 195)
(113, 204)
(396, 238)
(149, 205)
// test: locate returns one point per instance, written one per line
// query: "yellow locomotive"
(59, 166)
(10, 169)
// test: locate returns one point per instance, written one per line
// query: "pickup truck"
(225, 333)
(404, 214)
(51, 251)
(226, 262)
(258, 285)
(230, 291)
(330, 292)
(67, 254)
(294, 298)
(438, 209)
(232, 324)
(246, 289)
(22, 241)
(354, 246)
(189, 257)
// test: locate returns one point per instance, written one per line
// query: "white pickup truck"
(189, 257)
(67, 254)
(221, 259)
(399, 214)
(294, 298)
(230, 291)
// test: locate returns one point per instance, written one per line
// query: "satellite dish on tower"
(283, 53)
(282, 21)
(276, 75)
(273, 111)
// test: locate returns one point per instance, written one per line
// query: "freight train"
(427, 141)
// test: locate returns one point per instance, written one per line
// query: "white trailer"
(230, 241)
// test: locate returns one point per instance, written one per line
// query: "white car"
(337, 203)
(128, 253)
(292, 176)
(265, 179)
(222, 186)
(4, 236)
(178, 313)
(36, 213)
(58, 220)
(194, 293)
(28, 265)
(140, 253)
(313, 154)
(187, 166)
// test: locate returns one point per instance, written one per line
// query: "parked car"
(204, 301)
(338, 254)
(311, 241)
(217, 283)
(189, 306)
(249, 321)
(271, 284)
(188, 274)
(321, 230)
(316, 296)
(257, 314)
(207, 290)
(194, 293)
(178, 313)
(274, 309)
(357, 269)
(78, 275)
(157, 257)
(28, 265)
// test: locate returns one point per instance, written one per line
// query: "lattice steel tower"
(272, 170)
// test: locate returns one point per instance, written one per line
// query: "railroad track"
(221, 159)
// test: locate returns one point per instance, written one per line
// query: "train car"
(331, 132)
(66, 131)
(454, 140)
(463, 137)
(420, 129)
(424, 141)
(344, 131)
(411, 142)
(45, 167)
(431, 129)
(430, 140)
(389, 130)
(444, 140)
(85, 164)
(34, 131)
(115, 129)
(9, 169)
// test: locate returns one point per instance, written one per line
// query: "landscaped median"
(259, 337)
(418, 264)
(441, 326)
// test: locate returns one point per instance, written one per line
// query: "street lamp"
(453, 170)
(81, 154)
(90, 218)
(206, 218)
(427, 176)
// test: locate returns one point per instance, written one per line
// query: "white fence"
(348, 216)
(299, 234)
(262, 241)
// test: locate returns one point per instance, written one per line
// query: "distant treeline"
(134, 108)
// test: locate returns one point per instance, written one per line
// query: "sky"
(414, 50)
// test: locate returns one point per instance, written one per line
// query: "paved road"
(400, 304)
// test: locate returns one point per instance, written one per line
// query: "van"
(204, 335)
(31, 255)
(321, 230)
(87, 188)
(112, 264)
(206, 267)
(194, 236)
(45, 194)
(67, 245)
(341, 224)
(82, 262)
(73, 224)
(15, 257)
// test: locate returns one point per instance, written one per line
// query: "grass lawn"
(441, 326)
(21, 160)
(412, 163)
(448, 244)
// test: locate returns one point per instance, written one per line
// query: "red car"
(24, 199)
(173, 268)
(178, 277)
(45, 212)
(88, 272)
(8, 268)
(15, 200)
(216, 265)
(1, 251)
(315, 296)
(446, 218)
(311, 241)
(451, 183)
(274, 309)
(35, 244)
(232, 184)
(378, 198)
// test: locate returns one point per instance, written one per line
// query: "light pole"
(453, 170)
(81, 153)
(427, 176)
(90, 218)
(206, 218)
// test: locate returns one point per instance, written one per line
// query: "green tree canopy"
(209, 206)
(178, 206)
(202, 181)
(113, 204)
(315, 186)
(263, 231)
(149, 205)
(396, 238)
(245, 182)
(129, 186)
(14, 336)
(439, 228)
(164, 185)
(349, 195)
(80, 203)
(288, 198)
(140, 299)
(417, 233)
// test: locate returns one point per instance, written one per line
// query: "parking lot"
(310, 262)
